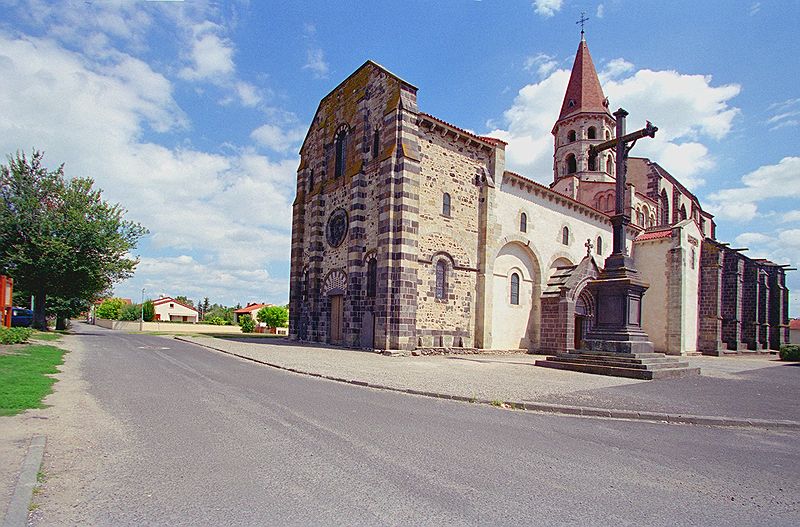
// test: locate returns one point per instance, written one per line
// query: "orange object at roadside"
(6, 294)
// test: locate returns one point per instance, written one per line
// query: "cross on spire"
(589, 246)
(582, 21)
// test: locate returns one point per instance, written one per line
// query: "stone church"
(408, 233)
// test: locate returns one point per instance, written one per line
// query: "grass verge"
(46, 336)
(24, 379)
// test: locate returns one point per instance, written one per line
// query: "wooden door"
(336, 319)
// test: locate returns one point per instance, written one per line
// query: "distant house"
(794, 331)
(249, 309)
(169, 309)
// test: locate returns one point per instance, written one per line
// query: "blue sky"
(191, 113)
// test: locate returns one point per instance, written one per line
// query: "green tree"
(148, 311)
(110, 308)
(221, 312)
(130, 312)
(273, 316)
(204, 307)
(185, 301)
(247, 324)
(59, 238)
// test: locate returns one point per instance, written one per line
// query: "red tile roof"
(584, 87)
(654, 235)
(250, 308)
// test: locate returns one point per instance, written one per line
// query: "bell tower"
(584, 121)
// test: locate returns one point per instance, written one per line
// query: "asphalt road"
(202, 438)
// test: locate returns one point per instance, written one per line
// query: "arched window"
(376, 143)
(446, 204)
(664, 207)
(571, 136)
(592, 133)
(311, 180)
(609, 166)
(683, 212)
(608, 134)
(645, 216)
(593, 162)
(515, 289)
(441, 280)
(372, 278)
(599, 245)
(565, 235)
(340, 146)
(572, 165)
(523, 222)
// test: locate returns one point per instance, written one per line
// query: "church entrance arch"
(584, 316)
(516, 299)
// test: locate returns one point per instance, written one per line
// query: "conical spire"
(584, 93)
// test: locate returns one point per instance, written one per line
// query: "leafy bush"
(130, 312)
(110, 308)
(216, 321)
(790, 352)
(14, 335)
(273, 316)
(247, 324)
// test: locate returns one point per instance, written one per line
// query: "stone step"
(617, 358)
(616, 354)
(618, 371)
(669, 363)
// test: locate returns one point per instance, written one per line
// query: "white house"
(169, 309)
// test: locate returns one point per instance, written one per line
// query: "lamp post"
(141, 318)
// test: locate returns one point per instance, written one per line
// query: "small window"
(515, 289)
(340, 146)
(694, 256)
(592, 133)
(608, 134)
(446, 204)
(523, 222)
(609, 166)
(171, 306)
(599, 246)
(441, 280)
(571, 136)
(372, 277)
(572, 164)
(565, 235)
(593, 162)
(311, 180)
(376, 143)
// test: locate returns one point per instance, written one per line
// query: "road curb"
(549, 408)
(17, 513)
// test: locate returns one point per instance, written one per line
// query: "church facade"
(408, 233)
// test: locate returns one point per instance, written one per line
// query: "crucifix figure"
(619, 289)
(620, 143)
(589, 246)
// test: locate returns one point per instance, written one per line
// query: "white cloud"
(784, 114)
(790, 217)
(315, 62)
(315, 57)
(766, 182)
(755, 8)
(543, 64)
(601, 11)
(200, 203)
(211, 56)
(547, 8)
(781, 247)
(614, 68)
(688, 110)
(277, 138)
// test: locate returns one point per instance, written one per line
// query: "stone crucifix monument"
(616, 344)
(619, 289)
